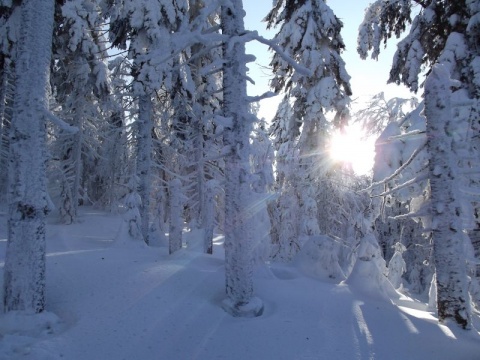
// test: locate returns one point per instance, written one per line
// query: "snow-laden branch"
(407, 135)
(399, 170)
(411, 215)
(224, 152)
(164, 168)
(266, 95)
(415, 180)
(60, 123)
(299, 68)
(473, 192)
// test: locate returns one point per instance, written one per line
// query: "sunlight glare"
(350, 147)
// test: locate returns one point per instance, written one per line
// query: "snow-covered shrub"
(319, 258)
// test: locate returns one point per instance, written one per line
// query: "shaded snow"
(132, 302)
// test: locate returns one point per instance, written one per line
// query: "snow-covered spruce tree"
(117, 155)
(81, 88)
(238, 237)
(284, 211)
(309, 33)
(443, 32)
(145, 26)
(261, 160)
(24, 276)
(391, 120)
(192, 106)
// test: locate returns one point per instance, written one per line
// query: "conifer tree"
(81, 88)
(443, 33)
(309, 33)
(146, 27)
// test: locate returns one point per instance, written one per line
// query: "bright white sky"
(369, 77)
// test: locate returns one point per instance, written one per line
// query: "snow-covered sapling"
(132, 216)
(397, 266)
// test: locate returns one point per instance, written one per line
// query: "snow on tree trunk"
(238, 238)
(447, 234)
(176, 207)
(132, 216)
(208, 221)
(24, 276)
(200, 170)
(397, 266)
(77, 158)
(144, 159)
(6, 101)
(71, 189)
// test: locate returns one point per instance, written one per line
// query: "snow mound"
(319, 258)
(369, 274)
(367, 279)
(251, 309)
(20, 332)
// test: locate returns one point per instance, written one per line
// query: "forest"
(138, 110)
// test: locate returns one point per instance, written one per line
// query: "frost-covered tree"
(399, 131)
(309, 32)
(397, 266)
(444, 33)
(195, 99)
(378, 112)
(238, 236)
(146, 28)
(81, 88)
(24, 275)
(284, 211)
(133, 204)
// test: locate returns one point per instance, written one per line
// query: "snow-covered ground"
(114, 300)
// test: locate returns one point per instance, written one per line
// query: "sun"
(351, 147)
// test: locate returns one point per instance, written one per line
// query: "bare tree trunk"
(24, 277)
(238, 258)
(447, 232)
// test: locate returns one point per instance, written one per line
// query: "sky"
(369, 77)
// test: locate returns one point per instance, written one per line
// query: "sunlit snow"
(109, 300)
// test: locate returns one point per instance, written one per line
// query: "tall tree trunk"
(6, 107)
(208, 220)
(77, 156)
(144, 160)
(238, 259)
(24, 277)
(447, 232)
(176, 207)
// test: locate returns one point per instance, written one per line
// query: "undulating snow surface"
(117, 300)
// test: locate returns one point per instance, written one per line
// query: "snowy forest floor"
(111, 300)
